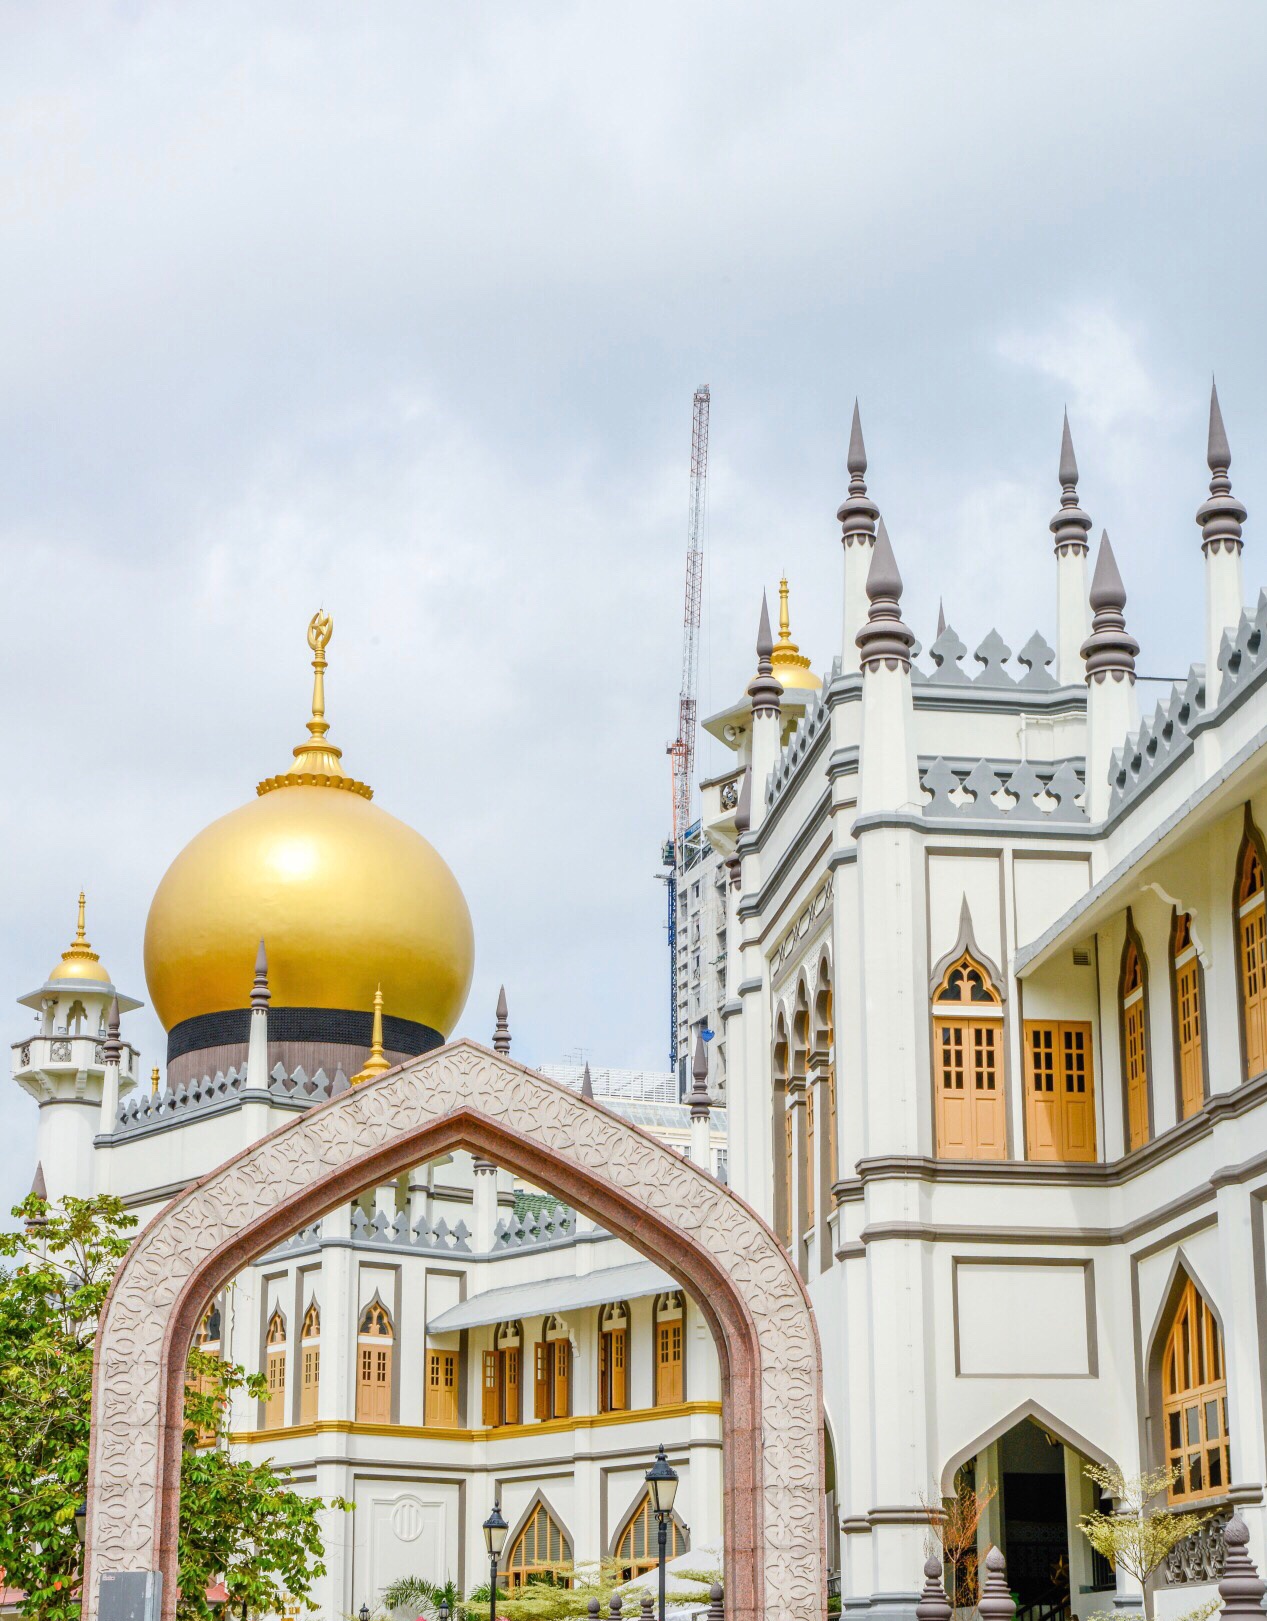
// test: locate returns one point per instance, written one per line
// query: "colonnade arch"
(463, 1096)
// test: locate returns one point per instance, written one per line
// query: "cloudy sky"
(399, 308)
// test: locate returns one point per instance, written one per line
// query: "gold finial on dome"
(318, 764)
(79, 960)
(376, 1063)
(790, 665)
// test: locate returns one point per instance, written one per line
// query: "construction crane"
(682, 750)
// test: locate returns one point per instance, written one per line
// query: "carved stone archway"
(464, 1097)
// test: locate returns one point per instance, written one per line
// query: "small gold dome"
(79, 961)
(345, 896)
(791, 667)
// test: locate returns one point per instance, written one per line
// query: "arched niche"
(464, 1097)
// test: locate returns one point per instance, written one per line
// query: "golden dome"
(791, 667)
(79, 961)
(345, 896)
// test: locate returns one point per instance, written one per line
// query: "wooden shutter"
(541, 1379)
(619, 1375)
(562, 1377)
(1042, 1107)
(1136, 1070)
(1188, 1024)
(442, 1389)
(1077, 1103)
(1059, 1091)
(971, 1112)
(513, 1412)
(605, 1402)
(788, 1182)
(1253, 942)
(492, 1393)
(669, 1363)
(311, 1383)
(275, 1406)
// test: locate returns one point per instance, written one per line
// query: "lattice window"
(1059, 1092)
(1135, 1046)
(1194, 1401)
(670, 1318)
(1188, 1020)
(1252, 934)
(637, 1548)
(310, 1364)
(971, 1104)
(442, 1389)
(613, 1359)
(541, 1551)
(275, 1372)
(374, 1365)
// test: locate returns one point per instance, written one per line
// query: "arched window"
(968, 1063)
(1188, 1019)
(207, 1340)
(442, 1390)
(374, 1365)
(613, 1359)
(501, 1403)
(803, 1203)
(1251, 926)
(310, 1356)
(1134, 1003)
(826, 1039)
(637, 1547)
(1194, 1401)
(670, 1348)
(541, 1551)
(275, 1372)
(552, 1371)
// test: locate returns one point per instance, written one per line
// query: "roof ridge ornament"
(318, 763)
(1071, 525)
(884, 639)
(1110, 649)
(857, 512)
(1222, 515)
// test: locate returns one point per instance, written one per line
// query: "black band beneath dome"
(332, 1026)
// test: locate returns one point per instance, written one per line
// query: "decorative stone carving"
(1200, 1557)
(463, 1096)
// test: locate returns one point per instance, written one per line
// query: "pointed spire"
(318, 763)
(933, 1604)
(113, 1047)
(377, 1063)
(1222, 515)
(764, 689)
(884, 638)
(858, 512)
(1071, 525)
(701, 1103)
(501, 1030)
(154, 1082)
(941, 617)
(1110, 649)
(790, 665)
(39, 1188)
(587, 1082)
(260, 993)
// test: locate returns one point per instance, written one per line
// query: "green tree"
(239, 1522)
(1137, 1538)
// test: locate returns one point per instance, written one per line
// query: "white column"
(336, 1393)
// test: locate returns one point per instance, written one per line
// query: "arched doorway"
(464, 1097)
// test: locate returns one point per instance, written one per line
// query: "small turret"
(1109, 653)
(858, 514)
(1220, 517)
(767, 724)
(701, 1104)
(501, 1028)
(886, 763)
(257, 1039)
(1070, 528)
(884, 639)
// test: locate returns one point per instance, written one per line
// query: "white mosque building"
(990, 1014)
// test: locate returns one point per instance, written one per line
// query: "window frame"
(1185, 963)
(1126, 1002)
(1061, 1030)
(1251, 846)
(970, 1018)
(1202, 1333)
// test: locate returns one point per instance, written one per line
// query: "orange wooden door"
(1042, 1101)
(491, 1409)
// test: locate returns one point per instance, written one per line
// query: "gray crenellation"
(419, 1235)
(992, 654)
(1245, 653)
(1160, 743)
(550, 1225)
(817, 719)
(1048, 793)
(175, 1105)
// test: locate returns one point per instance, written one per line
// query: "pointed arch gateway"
(463, 1096)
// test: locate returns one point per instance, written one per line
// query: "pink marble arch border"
(464, 1096)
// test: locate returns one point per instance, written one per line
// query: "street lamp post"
(662, 1489)
(363, 1614)
(495, 1529)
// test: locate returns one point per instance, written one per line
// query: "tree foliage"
(239, 1521)
(1137, 1538)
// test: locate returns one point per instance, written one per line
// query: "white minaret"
(765, 690)
(1109, 652)
(887, 775)
(701, 1106)
(1220, 517)
(1070, 528)
(857, 514)
(62, 1064)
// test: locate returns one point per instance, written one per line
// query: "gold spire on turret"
(79, 960)
(154, 1082)
(377, 1063)
(318, 764)
(790, 665)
